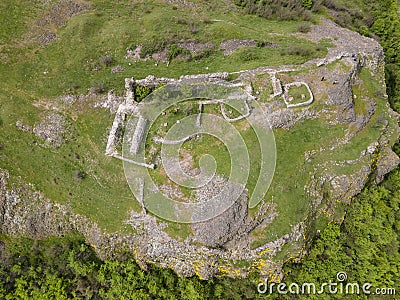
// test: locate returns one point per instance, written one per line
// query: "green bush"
(276, 9)
(365, 246)
(261, 44)
(141, 92)
(307, 4)
(299, 50)
(203, 54)
(174, 50)
(106, 60)
(247, 54)
(304, 27)
(67, 268)
(151, 46)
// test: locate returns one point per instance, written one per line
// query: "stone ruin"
(128, 107)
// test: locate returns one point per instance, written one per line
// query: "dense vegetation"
(279, 9)
(64, 268)
(366, 245)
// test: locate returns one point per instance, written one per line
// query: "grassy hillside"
(55, 48)
(92, 38)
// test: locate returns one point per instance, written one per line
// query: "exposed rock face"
(344, 186)
(25, 212)
(387, 161)
(221, 229)
(134, 54)
(342, 96)
(347, 44)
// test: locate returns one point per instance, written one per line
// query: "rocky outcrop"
(54, 130)
(228, 237)
(24, 211)
(196, 48)
(230, 46)
(221, 229)
(56, 15)
(387, 161)
(347, 44)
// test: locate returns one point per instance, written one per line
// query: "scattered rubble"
(196, 48)
(117, 69)
(56, 16)
(230, 46)
(54, 130)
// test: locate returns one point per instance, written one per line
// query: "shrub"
(306, 15)
(332, 4)
(79, 175)
(232, 77)
(181, 21)
(307, 4)
(141, 92)
(298, 50)
(106, 60)
(343, 18)
(275, 9)
(317, 7)
(193, 27)
(151, 46)
(247, 54)
(99, 87)
(261, 44)
(304, 27)
(203, 54)
(364, 30)
(174, 51)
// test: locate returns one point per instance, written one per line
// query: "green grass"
(180, 231)
(373, 129)
(51, 170)
(263, 85)
(14, 16)
(71, 59)
(292, 173)
(360, 104)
